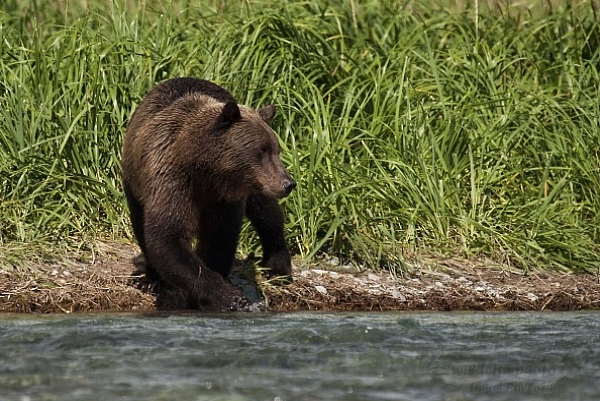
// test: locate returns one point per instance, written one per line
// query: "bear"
(194, 163)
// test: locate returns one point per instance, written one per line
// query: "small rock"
(398, 295)
(373, 277)
(319, 271)
(321, 289)
(256, 307)
(531, 296)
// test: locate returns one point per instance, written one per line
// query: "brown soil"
(107, 282)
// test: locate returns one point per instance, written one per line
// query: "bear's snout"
(288, 186)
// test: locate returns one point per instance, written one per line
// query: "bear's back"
(166, 93)
(181, 93)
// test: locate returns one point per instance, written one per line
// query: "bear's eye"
(265, 150)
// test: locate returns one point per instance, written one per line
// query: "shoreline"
(107, 283)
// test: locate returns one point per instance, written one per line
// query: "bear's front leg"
(267, 218)
(170, 254)
(212, 292)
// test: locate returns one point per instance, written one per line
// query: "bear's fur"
(194, 163)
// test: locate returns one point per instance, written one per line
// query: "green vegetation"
(410, 128)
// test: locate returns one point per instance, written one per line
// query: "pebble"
(398, 295)
(318, 271)
(321, 289)
(531, 296)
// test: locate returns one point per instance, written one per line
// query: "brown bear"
(194, 163)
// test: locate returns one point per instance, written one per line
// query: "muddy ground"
(105, 280)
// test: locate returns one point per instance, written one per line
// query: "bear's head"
(249, 161)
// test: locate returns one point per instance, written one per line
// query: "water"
(409, 356)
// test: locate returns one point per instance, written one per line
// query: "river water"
(301, 356)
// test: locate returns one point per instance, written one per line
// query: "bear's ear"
(267, 113)
(229, 115)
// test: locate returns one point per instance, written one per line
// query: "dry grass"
(463, 288)
(106, 282)
(75, 285)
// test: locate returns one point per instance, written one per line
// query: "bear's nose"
(288, 185)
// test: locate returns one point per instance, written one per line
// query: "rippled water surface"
(430, 356)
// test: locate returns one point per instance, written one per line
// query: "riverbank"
(106, 281)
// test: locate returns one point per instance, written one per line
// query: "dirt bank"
(105, 281)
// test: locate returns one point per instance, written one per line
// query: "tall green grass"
(410, 129)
